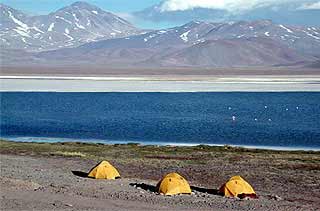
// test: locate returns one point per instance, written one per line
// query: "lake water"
(270, 120)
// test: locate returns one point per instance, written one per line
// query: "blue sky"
(123, 8)
(45, 6)
(119, 7)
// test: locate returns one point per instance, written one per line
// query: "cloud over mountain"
(311, 6)
(230, 5)
(293, 12)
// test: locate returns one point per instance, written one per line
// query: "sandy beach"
(160, 84)
(52, 177)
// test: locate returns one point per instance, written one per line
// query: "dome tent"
(173, 184)
(236, 186)
(104, 170)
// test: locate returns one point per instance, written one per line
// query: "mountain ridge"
(72, 25)
(201, 44)
(82, 33)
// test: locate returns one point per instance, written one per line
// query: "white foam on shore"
(155, 143)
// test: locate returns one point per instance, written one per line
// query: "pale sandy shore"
(37, 176)
(159, 84)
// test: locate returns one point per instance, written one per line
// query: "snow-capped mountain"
(68, 27)
(257, 43)
(303, 39)
(285, 12)
(82, 33)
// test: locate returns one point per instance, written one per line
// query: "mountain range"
(84, 34)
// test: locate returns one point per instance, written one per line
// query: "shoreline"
(222, 78)
(150, 143)
(159, 84)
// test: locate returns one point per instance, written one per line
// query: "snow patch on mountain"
(61, 18)
(287, 29)
(20, 23)
(70, 38)
(88, 22)
(24, 40)
(37, 29)
(117, 31)
(75, 17)
(184, 36)
(79, 26)
(22, 33)
(50, 28)
(311, 35)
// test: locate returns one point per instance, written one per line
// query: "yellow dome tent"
(104, 170)
(237, 187)
(173, 184)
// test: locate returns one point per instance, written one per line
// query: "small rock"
(52, 185)
(277, 198)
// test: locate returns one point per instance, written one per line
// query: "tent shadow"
(80, 174)
(205, 190)
(144, 186)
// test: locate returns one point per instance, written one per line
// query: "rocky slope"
(258, 43)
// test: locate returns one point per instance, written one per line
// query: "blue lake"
(250, 119)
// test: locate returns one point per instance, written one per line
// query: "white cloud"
(312, 6)
(230, 5)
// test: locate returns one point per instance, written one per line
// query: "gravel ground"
(57, 183)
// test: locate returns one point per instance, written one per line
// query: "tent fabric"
(236, 186)
(104, 170)
(173, 184)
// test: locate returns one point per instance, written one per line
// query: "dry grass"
(69, 154)
(149, 155)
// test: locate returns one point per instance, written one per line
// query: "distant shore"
(40, 83)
